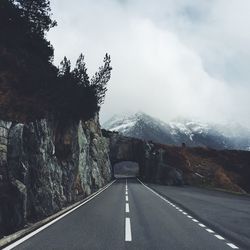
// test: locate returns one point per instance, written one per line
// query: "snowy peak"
(121, 123)
(193, 133)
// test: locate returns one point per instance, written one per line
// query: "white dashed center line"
(128, 235)
(127, 208)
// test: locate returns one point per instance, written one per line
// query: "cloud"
(171, 58)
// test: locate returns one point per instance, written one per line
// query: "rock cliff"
(153, 160)
(172, 165)
(46, 165)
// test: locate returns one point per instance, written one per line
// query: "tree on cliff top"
(23, 24)
(65, 68)
(80, 71)
(79, 97)
(27, 55)
(38, 13)
(100, 79)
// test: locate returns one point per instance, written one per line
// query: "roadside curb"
(7, 240)
(216, 228)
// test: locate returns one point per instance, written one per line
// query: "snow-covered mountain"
(193, 133)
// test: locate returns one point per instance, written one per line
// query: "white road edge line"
(128, 235)
(18, 242)
(219, 237)
(200, 224)
(210, 230)
(232, 245)
(127, 208)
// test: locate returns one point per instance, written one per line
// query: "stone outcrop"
(172, 165)
(153, 160)
(46, 165)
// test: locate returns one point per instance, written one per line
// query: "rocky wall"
(46, 165)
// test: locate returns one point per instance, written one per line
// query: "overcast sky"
(170, 58)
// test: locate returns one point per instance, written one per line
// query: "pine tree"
(80, 71)
(65, 68)
(100, 79)
(38, 14)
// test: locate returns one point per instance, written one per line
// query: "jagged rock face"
(47, 166)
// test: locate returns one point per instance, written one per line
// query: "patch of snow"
(123, 127)
(180, 130)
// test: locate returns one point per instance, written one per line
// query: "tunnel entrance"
(126, 169)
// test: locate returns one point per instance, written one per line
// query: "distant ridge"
(192, 133)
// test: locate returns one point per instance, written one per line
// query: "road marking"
(126, 193)
(128, 235)
(232, 246)
(126, 198)
(190, 217)
(201, 225)
(18, 242)
(219, 237)
(210, 231)
(127, 208)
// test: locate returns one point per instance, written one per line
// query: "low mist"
(170, 58)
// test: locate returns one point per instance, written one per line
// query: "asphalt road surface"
(128, 215)
(227, 213)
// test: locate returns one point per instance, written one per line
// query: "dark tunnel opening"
(126, 169)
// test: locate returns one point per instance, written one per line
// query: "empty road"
(128, 215)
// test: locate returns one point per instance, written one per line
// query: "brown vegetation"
(225, 169)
